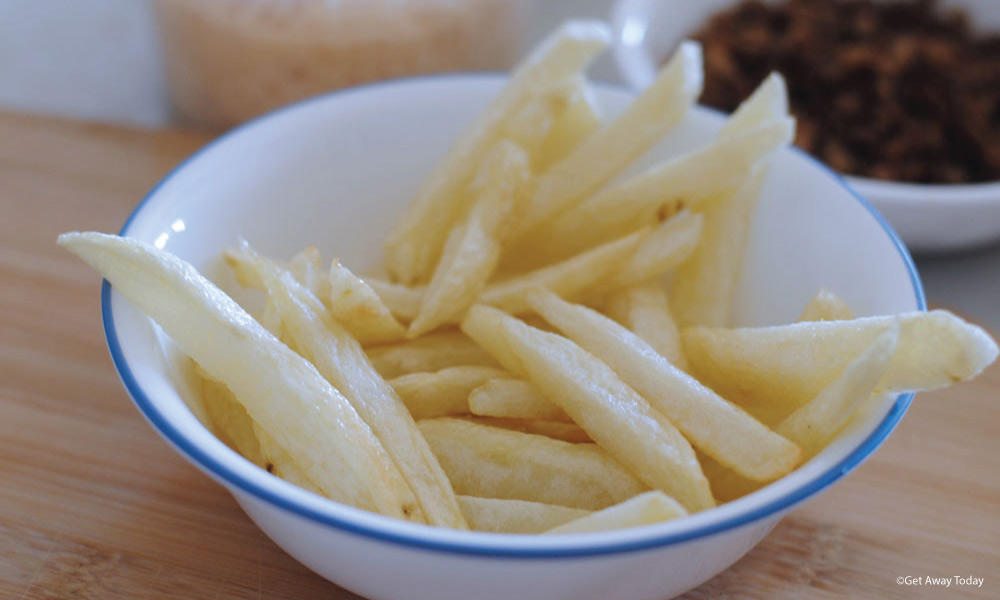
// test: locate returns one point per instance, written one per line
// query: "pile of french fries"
(548, 347)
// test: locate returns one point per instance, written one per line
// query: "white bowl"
(336, 170)
(929, 218)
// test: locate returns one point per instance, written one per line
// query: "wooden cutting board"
(95, 505)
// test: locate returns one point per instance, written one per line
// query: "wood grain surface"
(93, 504)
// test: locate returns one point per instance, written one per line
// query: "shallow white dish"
(929, 218)
(335, 170)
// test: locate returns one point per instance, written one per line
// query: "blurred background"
(102, 60)
(209, 64)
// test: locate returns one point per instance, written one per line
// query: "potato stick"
(307, 268)
(812, 425)
(826, 306)
(359, 308)
(639, 256)
(401, 300)
(529, 127)
(246, 274)
(483, 324)
(768, 102)
(442, 393)
(230, 421)
(727, 485)
(703, 287)
(645, 509)
(239, 432)
(783, 367)
(431, 352)
(414, 244)
(645, 311)
(514, 399)
(515, 516)
(279, 463)
(498, 463)
(665, 247)
(340, 359)
(651, 196)
(571, 278)
(578, 118)
(473, 248)
(557, 430)
(603, 154)
(716, 427)
(281, 390)
(612, 413)
(270, 319)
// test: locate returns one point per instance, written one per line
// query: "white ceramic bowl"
(929, 218)
(336, 170)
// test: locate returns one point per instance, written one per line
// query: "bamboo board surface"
(93, 504)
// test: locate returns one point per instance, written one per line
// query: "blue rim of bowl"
(200, 457)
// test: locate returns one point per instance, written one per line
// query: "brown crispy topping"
(897, 90)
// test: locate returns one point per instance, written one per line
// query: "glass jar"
(230, 60)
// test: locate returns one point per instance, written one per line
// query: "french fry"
(557, 430)
(402, 301)
(359, 308)
(645, 509)
(484, 326)
(414, 244)
(774, 370)
(826, 306)
(280, 390)
(230, 421)
(718, 428)
(432, 352)
(498, 463)
(515, 516)
(340, 359)
(668, 245)
(246, 274)
(577, 119)
(235, 427)
(703, 287)
(473, 248)
(651, 196)
(348, 297)
(769, 102)
(645, 311)
(612, 413)
(307, 268)
(279, 463)
(727, 485)
(271, 320)
(624, 262)
(812, 425)
(442, 393)
(571, 278)
(603, 154)
(515, 399)
(529, 127)
(627, 261)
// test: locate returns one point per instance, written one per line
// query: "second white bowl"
(929, 218)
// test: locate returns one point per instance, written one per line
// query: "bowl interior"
(336, 170)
